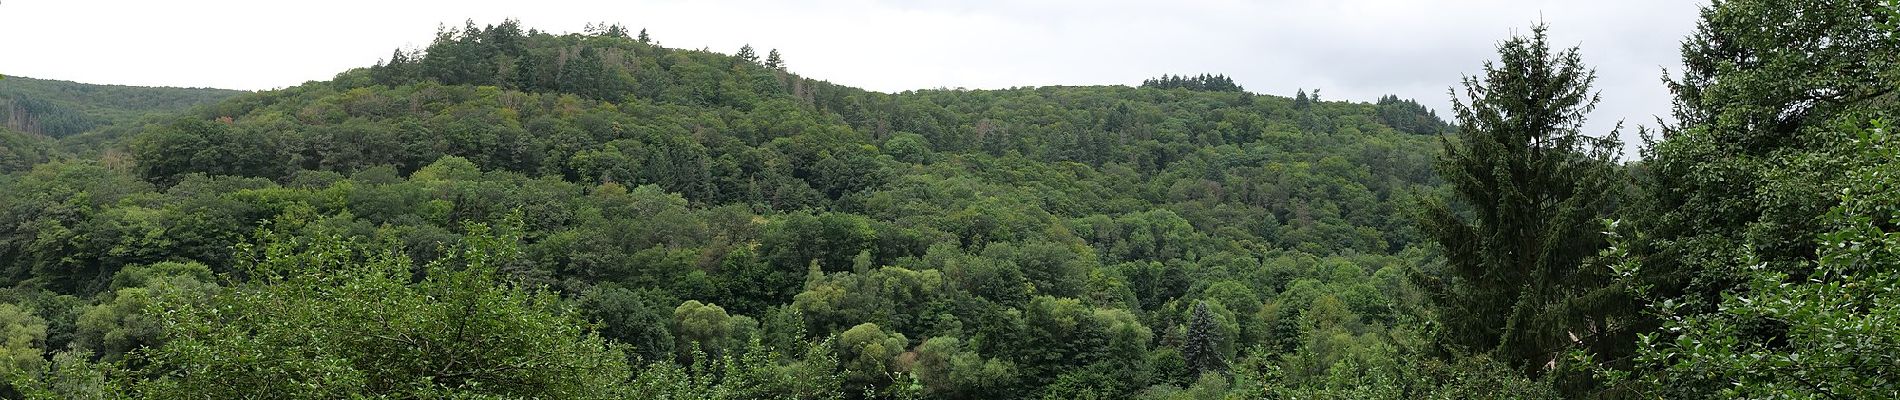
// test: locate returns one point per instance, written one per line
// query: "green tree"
(702, 328)
(1835, 330)
(868, 355)
(586, 75)
(1728, 179)
(121, 323)
(910, 148)
(635, 317)
(746, 54)
(364, 326)
(753, 374)
(1201, 347)
(1059, 335)
(832, 240)
(1765, 241)
(1515, 280)
(22, 340)
(774, 61)
(949, 369)
(211, 147)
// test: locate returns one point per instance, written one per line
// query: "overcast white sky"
(1352, 49)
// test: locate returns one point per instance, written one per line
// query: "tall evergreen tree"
(505, 38)
(1534, 187)
(585, 75)
(773, 61)
(644, 38)
(528, 71)
(1201, 348)
(400, 69)
(746, 53)
(614, 31)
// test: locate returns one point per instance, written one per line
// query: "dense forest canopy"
(59, 108)
(36, 113)
(511, 213)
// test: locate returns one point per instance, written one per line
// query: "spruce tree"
(400, 69)
(585, 75)
(746, 53)
(1201, 346)
(773, 61)
(1532, 189)
(528, 71)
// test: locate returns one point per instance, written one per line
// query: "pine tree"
(504, 38)
(746, 53)
(773, 61)
(528, 71)
(585, 75)
(1301, 101)
(643, 37)
(400, 69)
(1201, 347)
(1535, 187)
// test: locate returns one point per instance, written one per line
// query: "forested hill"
(607, 107)
(510, 213)
(634, 220)
(60, 108)
(546, 104)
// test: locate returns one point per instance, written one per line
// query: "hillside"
(510, 213)
(1000, 225)
(20, 151)
(60, 108)
(35, 114)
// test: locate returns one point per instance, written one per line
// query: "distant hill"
(61, 108)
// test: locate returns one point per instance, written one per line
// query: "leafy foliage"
(362, 326)
(1760, 244)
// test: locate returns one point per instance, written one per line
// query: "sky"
(1353, 50)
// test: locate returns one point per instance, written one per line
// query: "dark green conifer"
(746, 53)
(773, 61)
(1201, 347)
(1532, 188)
